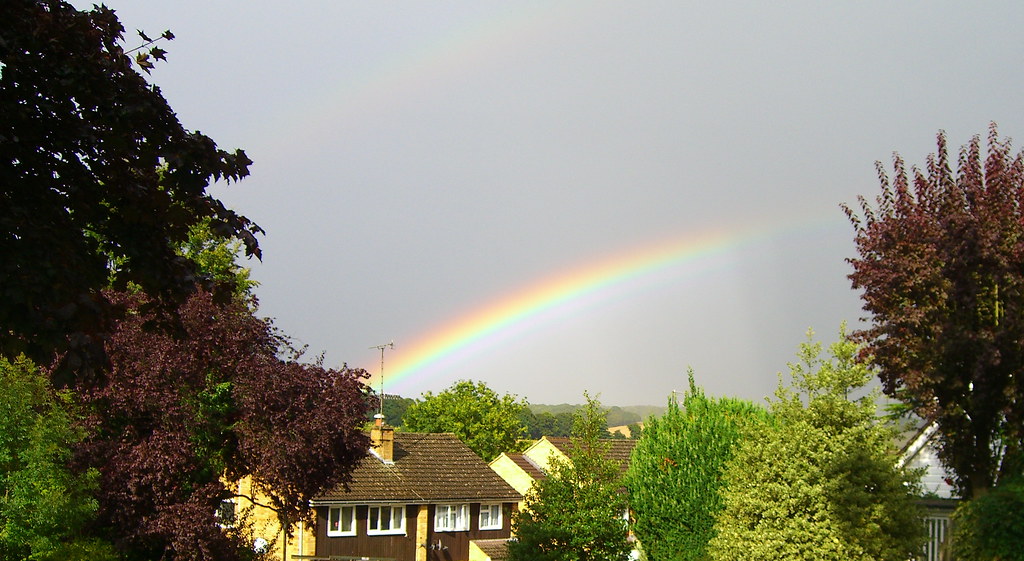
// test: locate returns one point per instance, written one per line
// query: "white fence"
(937, 526)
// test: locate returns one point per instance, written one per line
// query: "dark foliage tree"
(941, 267)
(487, 422)
(578, 512)
(675, 472)
(178, 420)
(98, 180)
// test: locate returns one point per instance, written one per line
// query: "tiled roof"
(427, 468)
(619, 449)
(496, 549)
(526, 465)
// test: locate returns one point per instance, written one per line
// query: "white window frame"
(495, 517)
(337, 513)
(451, 518)
(392, 516)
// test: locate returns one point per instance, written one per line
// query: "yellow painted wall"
(477, 554)
(512, 473)
(422, 518)
(265, 525)
(541, 453)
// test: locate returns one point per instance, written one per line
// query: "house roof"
(427, 468)
(526, 465)
(618, 449)
(496, 549)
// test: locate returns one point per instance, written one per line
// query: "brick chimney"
(382, 440)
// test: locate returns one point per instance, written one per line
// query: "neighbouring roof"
(496, 549)
(427, 468)
(618, 449)
(526, 465)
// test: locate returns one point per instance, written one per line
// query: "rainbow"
(409, 72)
(568, 292)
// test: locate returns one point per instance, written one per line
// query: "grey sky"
(418, 161)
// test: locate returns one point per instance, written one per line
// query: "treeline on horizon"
(545, 419)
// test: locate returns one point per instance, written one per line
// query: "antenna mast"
(390, 345)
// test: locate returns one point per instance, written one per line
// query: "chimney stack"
(382, 439)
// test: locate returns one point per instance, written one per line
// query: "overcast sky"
(419, 164)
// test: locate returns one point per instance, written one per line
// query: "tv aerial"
(390, 345)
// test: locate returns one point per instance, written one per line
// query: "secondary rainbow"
(559, 295)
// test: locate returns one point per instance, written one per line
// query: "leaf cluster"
(821, 481)
(45, 506)
(675, 473)
(95, 168)
(547, 423)
(990, 527)
(178, 421)
(939, 269)
(485, 421)
(577, 511)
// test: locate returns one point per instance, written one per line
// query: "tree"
(618, 417)
(676, 469)
(547, 423)
(394, 408)
(178, 420)
(45, 506)
(487, 422)
(990, 528)
(577, 512)
(940, 269)
(95, 170)
(216, 261)
(821, 481)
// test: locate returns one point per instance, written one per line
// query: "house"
(919, 450)
(522, 470)
(248, 508)
(416, 497)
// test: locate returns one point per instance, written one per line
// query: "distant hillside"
(616, 415)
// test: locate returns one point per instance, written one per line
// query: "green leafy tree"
(487, 422)
(577, 512)
(822, 481)
(618, 417)
(990, 527)
(394, 407)
(45, 506)
(939, 265)
(675, 472)
(216, 259)
(98, 180)
(547, 423)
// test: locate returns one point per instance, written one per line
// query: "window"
(341, 521)
(386, 519)
(490, 517)
(451, 518)
(227, 513)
